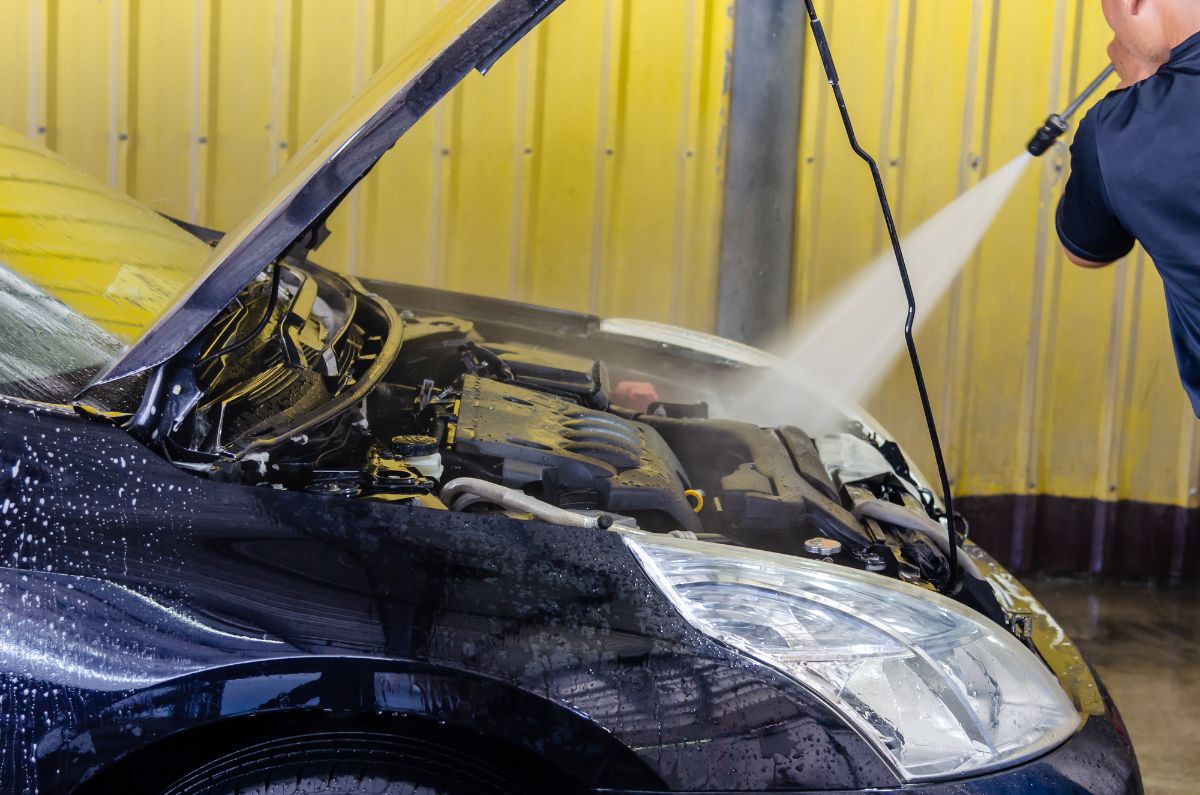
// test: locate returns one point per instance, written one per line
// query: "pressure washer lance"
(1056, 123)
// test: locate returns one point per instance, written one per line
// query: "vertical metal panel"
(161, 52)
(321, 77)
(79, 87)
(19, 40)
(200, 116)
(401, 195)
(245, 130)
(656, 72)
(366, 61)
(1067, 414)
(484, 181)
(569, 162)
(700, 200)
(1040, 378)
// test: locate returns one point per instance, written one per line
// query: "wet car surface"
(256, 512)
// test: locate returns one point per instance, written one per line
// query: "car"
(268, 528)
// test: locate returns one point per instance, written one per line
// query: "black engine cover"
(577, 457)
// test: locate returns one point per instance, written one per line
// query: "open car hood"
(465, 35)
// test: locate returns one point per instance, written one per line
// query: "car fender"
(333, 691)
(127, 572)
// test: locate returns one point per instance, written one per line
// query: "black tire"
(347, 763)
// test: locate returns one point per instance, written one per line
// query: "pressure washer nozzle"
(1056, 123)
(1048, 133)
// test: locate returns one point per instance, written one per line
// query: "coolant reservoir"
(419, 452)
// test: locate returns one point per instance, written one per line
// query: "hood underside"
(465, 35)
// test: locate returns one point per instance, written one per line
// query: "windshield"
(47, 352)
(84, 271)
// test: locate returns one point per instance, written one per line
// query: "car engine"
(537, 423)
(311, 398)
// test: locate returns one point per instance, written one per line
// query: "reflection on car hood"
(465, 35)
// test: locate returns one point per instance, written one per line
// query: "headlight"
(939, 690)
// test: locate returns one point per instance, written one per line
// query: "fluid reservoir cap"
(822, 546)
(414, 446)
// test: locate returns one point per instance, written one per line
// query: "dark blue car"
(265, 528)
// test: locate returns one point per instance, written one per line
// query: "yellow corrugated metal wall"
(1046, 378)
(555, 179)
(559, 178)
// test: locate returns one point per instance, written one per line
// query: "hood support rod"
(822, 42)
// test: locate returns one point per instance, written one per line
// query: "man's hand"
(1131, 67)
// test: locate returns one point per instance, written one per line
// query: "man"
(1135, 164)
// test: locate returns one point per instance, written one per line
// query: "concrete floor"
(1145, 642)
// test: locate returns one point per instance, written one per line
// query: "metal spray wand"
(1056, 123)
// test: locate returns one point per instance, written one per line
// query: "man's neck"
(1181, 23)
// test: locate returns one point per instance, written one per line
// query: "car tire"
(347, 763)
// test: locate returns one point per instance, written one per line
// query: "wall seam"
(527, 171)
(204, 14)
(683, 162)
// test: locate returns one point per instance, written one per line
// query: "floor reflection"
(1145, 642)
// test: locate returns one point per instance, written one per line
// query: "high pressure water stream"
(850, 342)
(945, 242)
(846, 343)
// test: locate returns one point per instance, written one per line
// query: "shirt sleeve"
(1087, 225)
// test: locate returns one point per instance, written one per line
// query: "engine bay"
(311, 383)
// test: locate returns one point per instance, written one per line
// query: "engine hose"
(898, 515)
(516, 500)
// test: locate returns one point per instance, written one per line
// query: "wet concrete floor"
(1145, 642)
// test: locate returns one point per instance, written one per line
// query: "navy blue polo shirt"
(1135, 175)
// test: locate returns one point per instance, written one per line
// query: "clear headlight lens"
(939, 690)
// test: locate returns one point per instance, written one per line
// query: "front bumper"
(1098, 759)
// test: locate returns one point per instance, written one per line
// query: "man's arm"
(1085, 263)
(1087, 225)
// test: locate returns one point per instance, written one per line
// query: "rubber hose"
(895, 514)
(516, 500)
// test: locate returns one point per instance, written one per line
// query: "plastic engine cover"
(581, 458)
